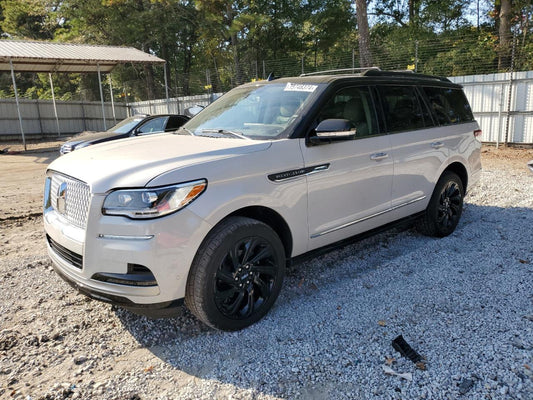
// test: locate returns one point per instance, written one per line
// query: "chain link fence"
(471, 53)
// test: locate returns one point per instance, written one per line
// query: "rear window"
(449, 106)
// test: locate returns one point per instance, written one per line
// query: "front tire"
(236, 275)
(445, 207)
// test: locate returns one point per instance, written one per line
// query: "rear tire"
(236, 275)
(445, 207)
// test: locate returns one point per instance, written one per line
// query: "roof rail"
(405, 73)
(333, 71)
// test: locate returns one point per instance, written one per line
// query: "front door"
(350, 189)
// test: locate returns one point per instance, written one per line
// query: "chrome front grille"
(75, 206)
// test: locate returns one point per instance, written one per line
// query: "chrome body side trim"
(296, 173)
(124, 237)
(366, 218)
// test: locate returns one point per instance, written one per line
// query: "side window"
(402, 108)
(355, 105)
(153, 126)
(449, 105)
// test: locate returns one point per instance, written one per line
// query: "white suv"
(213, 213)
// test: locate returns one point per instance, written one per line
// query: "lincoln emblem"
(61, 197)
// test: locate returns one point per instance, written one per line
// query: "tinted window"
(174, 122)
(449, 105)
(355, 105)
(154, 125)
(402, 108)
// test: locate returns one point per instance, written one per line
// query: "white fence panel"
(503, 107)
(38, 117)
(175, 105)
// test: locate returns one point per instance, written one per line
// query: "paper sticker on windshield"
(300, 87)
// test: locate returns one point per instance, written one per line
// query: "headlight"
(152, 202)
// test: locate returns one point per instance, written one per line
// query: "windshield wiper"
(225, 132)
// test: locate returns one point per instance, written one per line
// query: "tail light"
(477, 134)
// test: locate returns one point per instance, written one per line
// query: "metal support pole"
(303, 58)
(509, 99)
(112, 100)
(128, 107)
(353, 61)
(166, 86)
(54, 102)
(101, 95)
(498, 133)
(264, 70)
(17, 101)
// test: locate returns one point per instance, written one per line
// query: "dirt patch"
(22, 236)
(22, 182)
(16, 147)
(505, 158)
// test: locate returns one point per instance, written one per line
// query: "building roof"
(30, 56)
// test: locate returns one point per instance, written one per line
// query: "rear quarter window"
(448, 105)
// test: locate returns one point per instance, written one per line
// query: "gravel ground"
(464, 302)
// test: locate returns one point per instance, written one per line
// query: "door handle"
(378, 156)
(437, 145)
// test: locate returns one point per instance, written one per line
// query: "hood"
(133, 162)
(95, 137)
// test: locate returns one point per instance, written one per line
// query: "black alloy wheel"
(450, 206)
(236, 275)
(445, 207)
(245, 278)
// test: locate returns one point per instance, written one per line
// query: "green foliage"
(30, 19)
(213, 45)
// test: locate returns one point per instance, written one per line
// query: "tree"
(505, 34)
(30, 19)
(365, 56)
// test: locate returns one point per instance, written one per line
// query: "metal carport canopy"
(51, 57)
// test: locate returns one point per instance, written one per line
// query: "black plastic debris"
(466, 385)
(401, 346)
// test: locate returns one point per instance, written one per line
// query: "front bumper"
(155, 310)
(112, 246)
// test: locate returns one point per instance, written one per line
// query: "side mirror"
(333, 130)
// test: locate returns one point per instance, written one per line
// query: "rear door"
(349, 188)
(418, 148)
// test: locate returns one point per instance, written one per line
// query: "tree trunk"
(504, 58)
(234, 43)
(365, 56)
(166, 71)
(149, 75)
(413, 11)
(187, 64)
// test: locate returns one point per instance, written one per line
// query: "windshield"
(255, 112)
(126, 125)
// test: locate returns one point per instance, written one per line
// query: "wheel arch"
(270, 218)
(460, 170)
